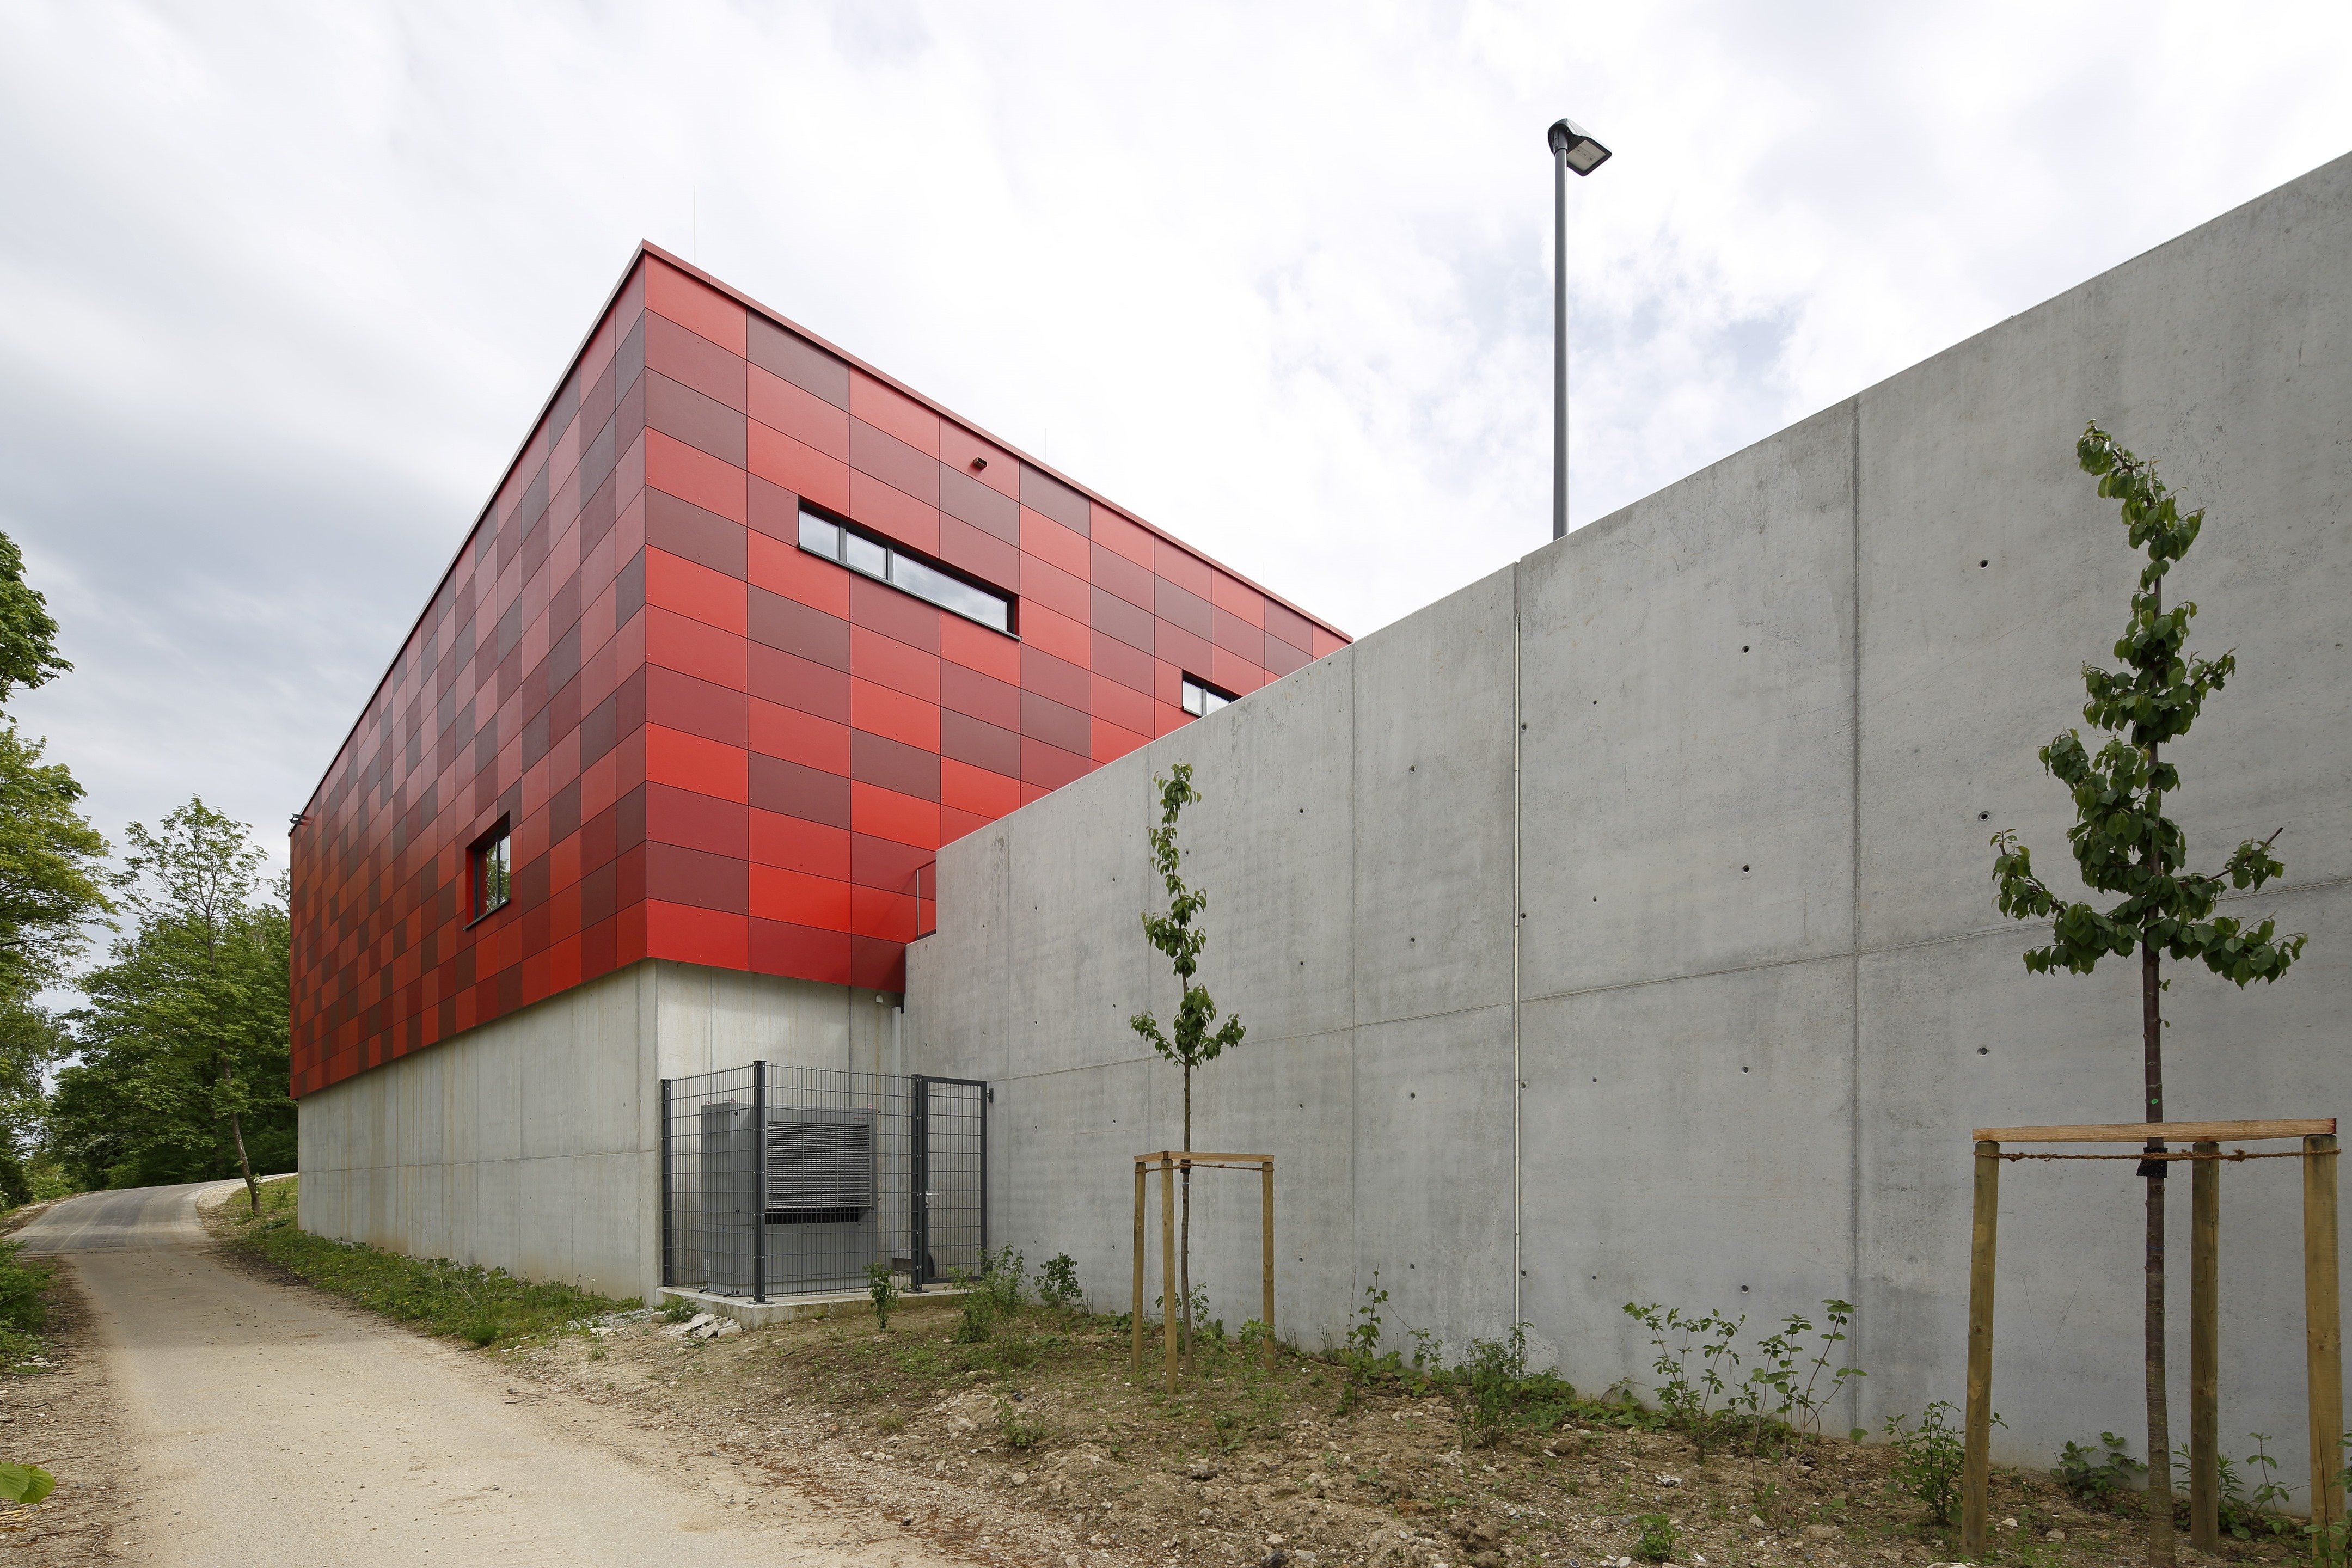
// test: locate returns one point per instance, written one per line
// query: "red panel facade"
(707, 743)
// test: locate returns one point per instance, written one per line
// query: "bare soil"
(1040, 1445)
(62, 1416)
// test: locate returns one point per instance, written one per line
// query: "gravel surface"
(260, 1423)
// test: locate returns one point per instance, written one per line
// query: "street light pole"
(1572, 147)
(1559, 341)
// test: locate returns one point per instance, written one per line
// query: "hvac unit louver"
(820, 1166)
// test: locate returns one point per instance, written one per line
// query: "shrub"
(1360, 1356)
(1491, 1377)
(2241, 1513)
(2095, 1477)
(480, 1332)
(678, 1309)
(1057, 1283)
(978, 1304)
(882, 1287)
(1657, 1542)
(1927, 1459)
(1687, 1397)
(1000, 1279)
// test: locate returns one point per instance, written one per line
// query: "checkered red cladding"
(700, 741)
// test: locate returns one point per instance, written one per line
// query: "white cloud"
(287, 283)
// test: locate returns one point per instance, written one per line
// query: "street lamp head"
(1583, 154)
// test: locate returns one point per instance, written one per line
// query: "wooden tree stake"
(1135, 1316)
(1265, 1232)
(2323, 1326)
(1168, 1261)
(1977, 1459)
(2205, 1351)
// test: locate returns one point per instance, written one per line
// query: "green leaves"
(50, 870)
(1191, 1040)
(2122, 841)
(28, 636)
(26, 1484)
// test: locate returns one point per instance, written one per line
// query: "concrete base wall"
(531, 1144)
(1760, 996)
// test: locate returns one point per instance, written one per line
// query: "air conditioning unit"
(823, 1174)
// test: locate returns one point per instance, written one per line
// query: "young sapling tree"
(1191, 1041)
(2125, 844)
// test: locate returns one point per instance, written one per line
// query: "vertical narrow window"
(493, 870)
(1200, 696)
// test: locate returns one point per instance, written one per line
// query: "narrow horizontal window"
(859, 552)
(1200, 696)
(949, 593)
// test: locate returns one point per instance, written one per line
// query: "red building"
(747, 632)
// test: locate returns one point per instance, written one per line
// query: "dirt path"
(261, 1423)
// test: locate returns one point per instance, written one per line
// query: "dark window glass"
(493, 872)
(823, 536)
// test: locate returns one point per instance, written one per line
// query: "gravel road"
(263, 1423)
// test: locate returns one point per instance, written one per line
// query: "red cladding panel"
(708, 745)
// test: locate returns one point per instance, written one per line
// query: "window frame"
(1208, 689)
(846, 533)
(499, 837)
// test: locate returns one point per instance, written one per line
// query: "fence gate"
(951, 1176)
(795, 1180)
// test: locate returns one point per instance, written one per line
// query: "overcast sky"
(285, 285)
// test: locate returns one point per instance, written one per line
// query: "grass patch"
(480, 1306)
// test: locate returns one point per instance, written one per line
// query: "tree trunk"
(1184, 1236)
(236, 1130)
(2160, 1424)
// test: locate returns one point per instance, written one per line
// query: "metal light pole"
(1572, 147)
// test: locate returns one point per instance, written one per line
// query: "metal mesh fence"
(951, 1175)
(785, 1181)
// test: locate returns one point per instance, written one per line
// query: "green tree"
(28, 636)
(183, 1037)
(50, 866)
(1191, 1042)
(51, 880)
(2124, 844)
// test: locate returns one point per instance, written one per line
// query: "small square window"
(492, 858)
(1200, 696)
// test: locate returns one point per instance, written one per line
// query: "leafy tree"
(28, 636)
(1190, 1042)
(32, 1040)
(51, 882)
(49, 866)
(2124, 844)
(183, 1040)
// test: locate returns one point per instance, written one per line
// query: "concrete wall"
(1772, 716)
(531, 1143)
